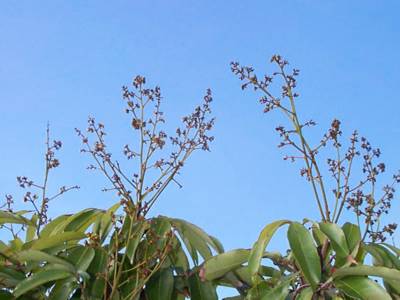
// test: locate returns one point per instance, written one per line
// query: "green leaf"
(31, 230)
(361, 287)
(160, 286)
(99, 262)
(257, 252)
(97, 271)
(393, 248)
(81, 257)
(221, 264)
(306, 294)
(40, 256)
(353, 235)
(382, 256)
(63, 289)
(195, 239)
(305, 253)
(82, 220)
(52, 241)
(279, 292)
(39, 278)
(383, 272)
(51, 228)
(319, 237)
(16, 244)
(177, 256)
(201, 290)
(4, 295)
(336, 237)
(10, 277)
(135, 238)
(104, 222)
(7, 217)
(258, 290)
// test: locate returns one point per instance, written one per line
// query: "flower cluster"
(155, 149)
(359, 196)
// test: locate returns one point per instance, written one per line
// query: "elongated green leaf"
(10, 277)
(52, 241)
(262, 242)
(160, 286)
(219, 265)
(4, 295)
(201, 290)
(382, 256)
(319, 237)
(40, 256)
(258, 290)
(63, 289)
(13, 218)
(197, 231)
(82, 220)
(393, 248)
(305, 253)
(103, 223)
(353, 235)
(97, 271)
(99, 262)
(31, 230)
(134, 239)
(16, 244)
(279, 292)
(383, 272)
(217, 244)
(81, 257)
(39, 278)
(51, 227)
(361, 287)
(306, 294)
(178, 256)
(336, 237)
(195, 239)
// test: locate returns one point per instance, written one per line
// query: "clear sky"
(61, 61)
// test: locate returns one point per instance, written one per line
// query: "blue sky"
(64, 60)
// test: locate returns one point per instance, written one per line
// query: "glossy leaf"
(160, 286)
(133, 241)
(262, 243)
(306, 294)
(39, 278)
(353, 235)
(63, 289)
(40, 256)
(383, 272)
(13, 218)
(305, 253)
(81, 257)
(82, 220)
(219, 265)
(200, 290)
(279, 292)
(52, 241)
(97, 271)
(31, 230)
(361, 287)
(336, 237)
(10, 277)
(51, 227)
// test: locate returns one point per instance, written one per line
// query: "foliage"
(122, 252)
(325, 260)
